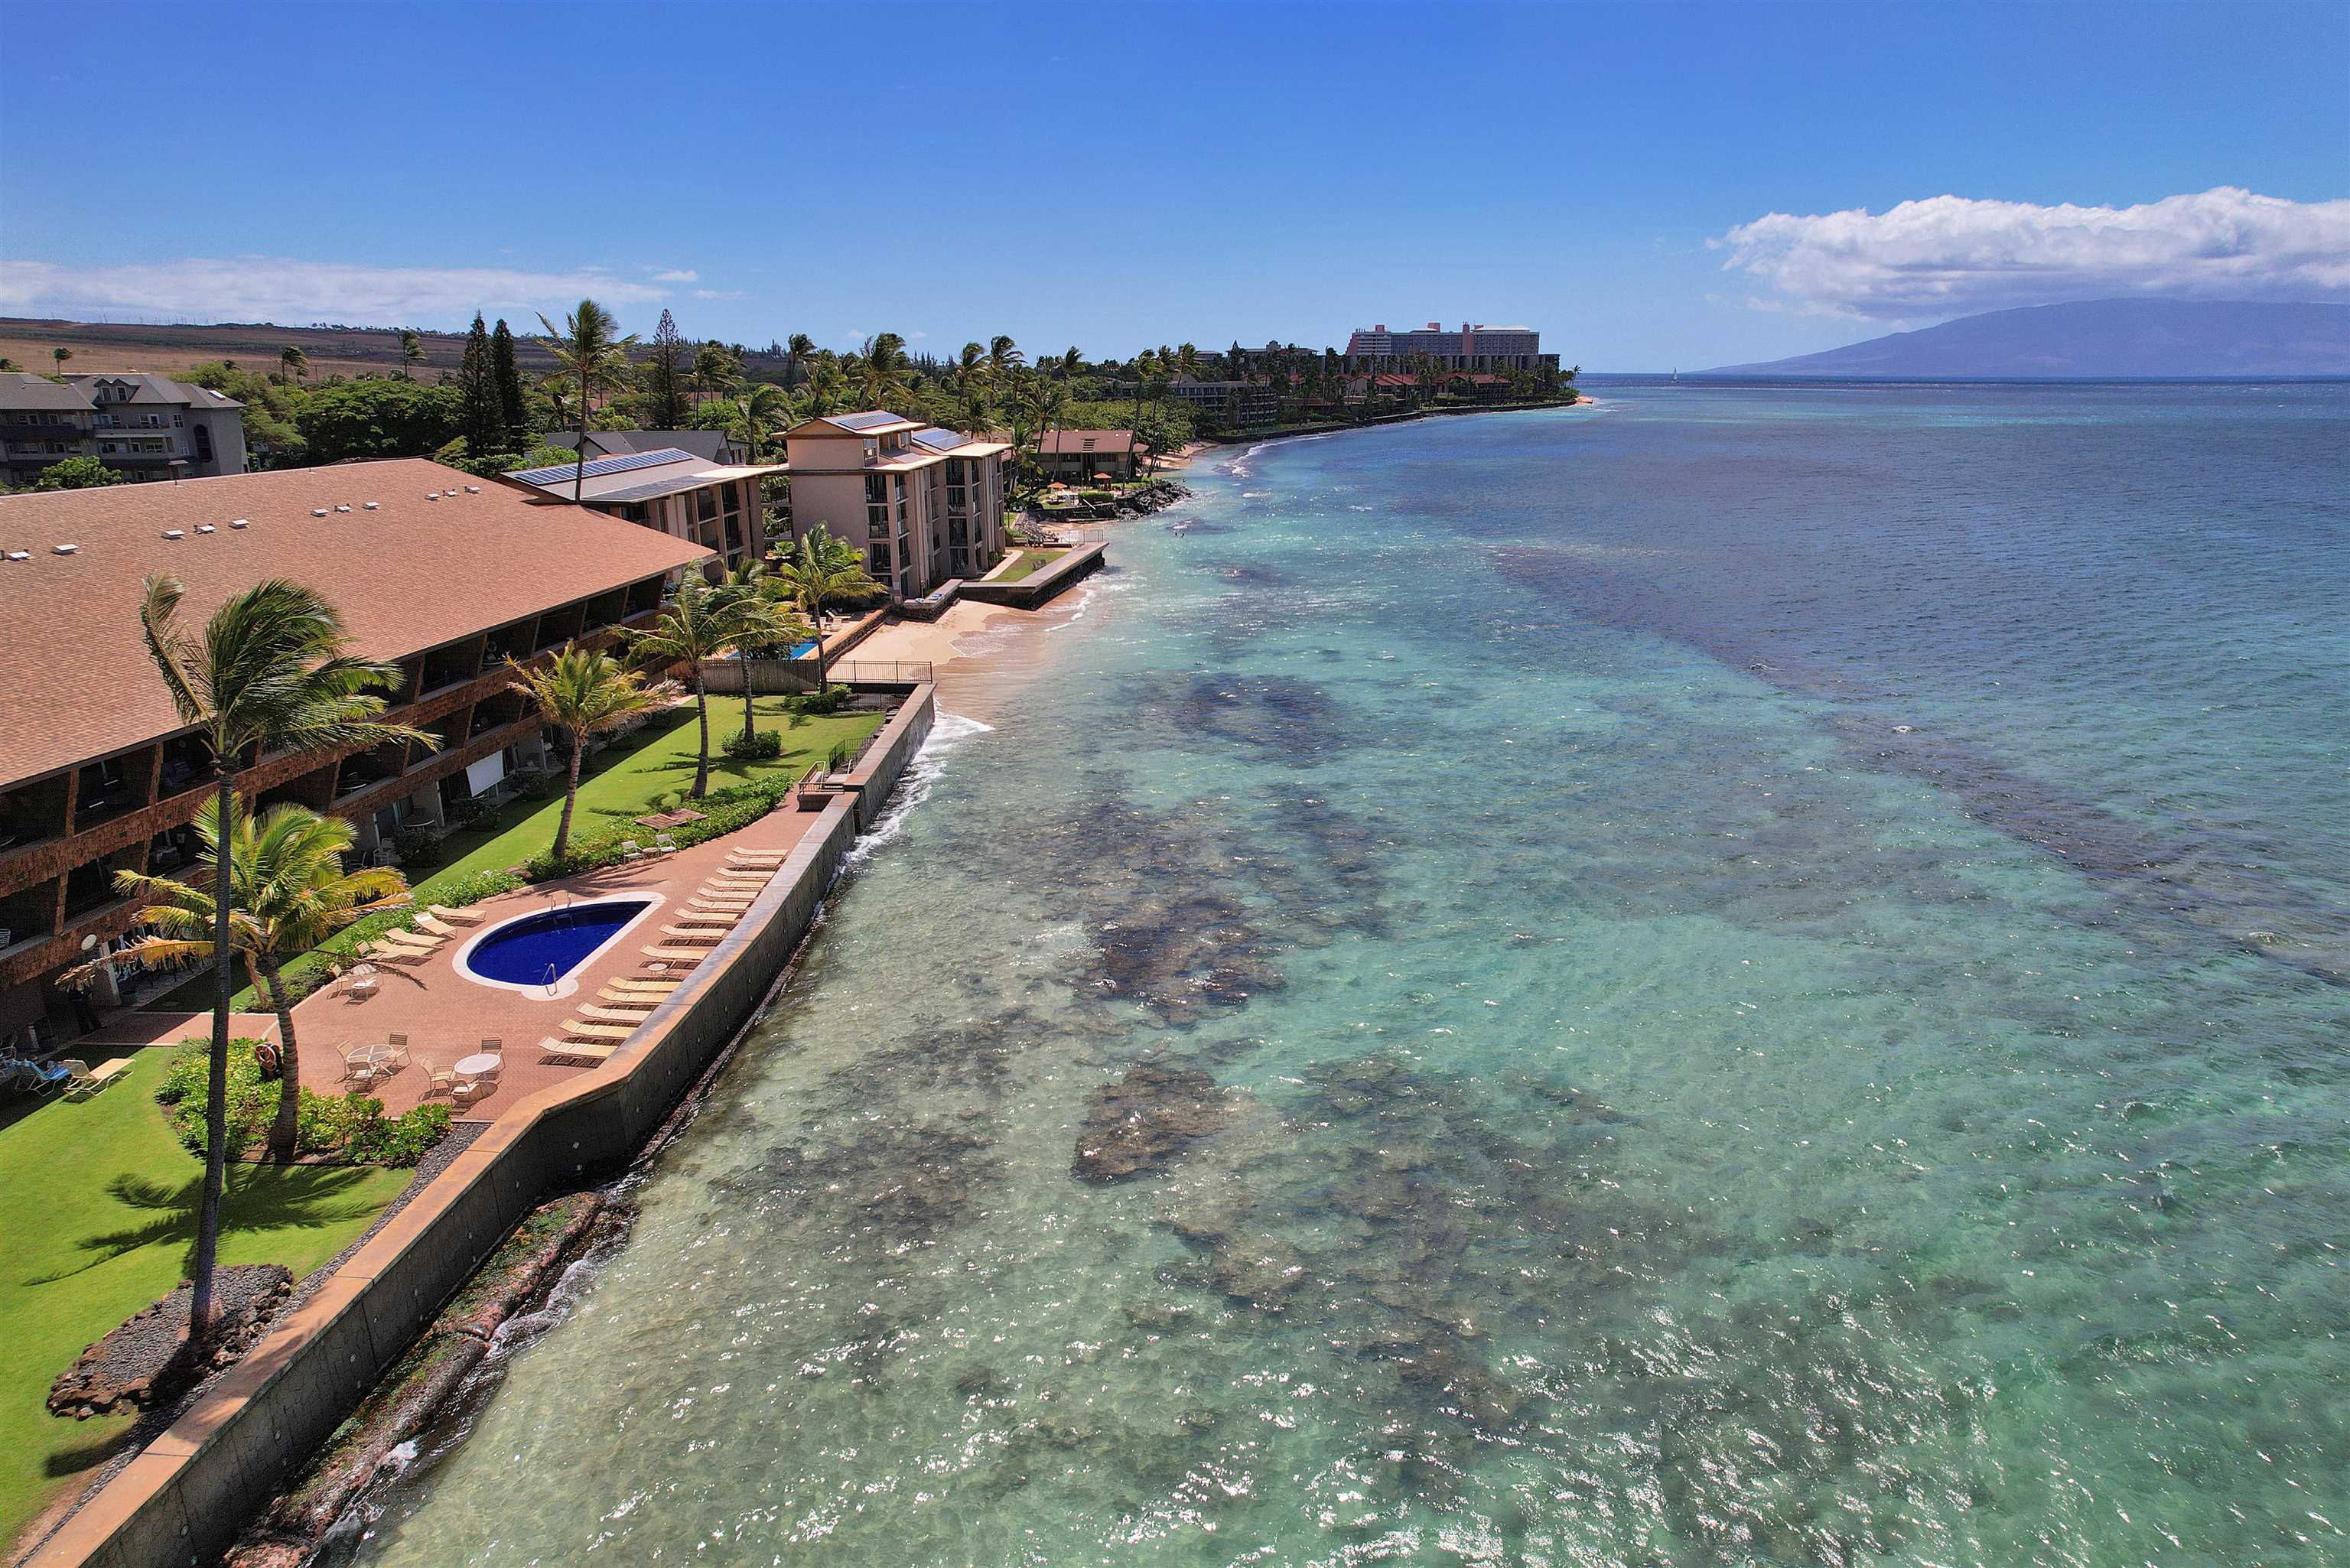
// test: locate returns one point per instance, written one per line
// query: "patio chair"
(631, 850)
(437, 1080)
(77, 1083)
(397, 1057)
(664, 845)
(359, 1068)
(454, 916)
(361, 980)
(554, 1050)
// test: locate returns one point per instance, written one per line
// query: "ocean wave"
(947, 732)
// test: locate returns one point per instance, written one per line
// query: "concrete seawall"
(184, 1498)
(1030, 592)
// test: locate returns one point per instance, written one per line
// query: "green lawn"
(1031, 562)
(97, 1218)
(615, 788)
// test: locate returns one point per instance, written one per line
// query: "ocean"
(1738, 976)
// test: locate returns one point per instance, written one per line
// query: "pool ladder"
(550, 982)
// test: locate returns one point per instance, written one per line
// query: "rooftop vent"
(317, 511)
(175, 533)
(238, 523)
(207, 527)
(346, 507)
(371, 505)
(473, 490)
(450, 491)
(20, 554)
(432, 495)
(64, 549)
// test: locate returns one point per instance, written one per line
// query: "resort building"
(144, 427)
(442, 573)
(712, 446)
(1079, 455)
(717, 505)
(927, 505)
(1470, 349)
(1240, 405)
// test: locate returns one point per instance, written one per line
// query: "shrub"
(539, 786)
(755, 745)
(252, 1099)
(480, 816)
(414, 844)
(352, 1124)
(827, 700)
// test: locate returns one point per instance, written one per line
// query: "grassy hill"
(103, 346)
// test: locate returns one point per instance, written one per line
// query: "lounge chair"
(612, 1031)
(417, 940)
(694, 934)
(386, 952)
(595, 1014)
(676, 955)
(434, 926)
(80, 1085)
(454, 916)
(769, 863)
(554, 1050)
(722, 905)
(638, 1001)
(707, 916)
(656, 986)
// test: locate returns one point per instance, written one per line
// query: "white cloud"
(676, 274)
(717, 294)
(269, 288)
(1950, 256)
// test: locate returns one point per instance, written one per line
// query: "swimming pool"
(541, 953)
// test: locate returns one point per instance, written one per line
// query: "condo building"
(435, 570)
(1469, 348)
(925, 504)
(704, 501)
(144, 427)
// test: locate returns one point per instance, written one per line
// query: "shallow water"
(1775, 966)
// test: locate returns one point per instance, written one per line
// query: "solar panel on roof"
(604, 465)
(940, 441)
(865, 422)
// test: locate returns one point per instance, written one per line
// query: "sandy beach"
(981, 654)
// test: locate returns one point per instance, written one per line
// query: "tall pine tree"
(664, 384)
(512, 412)
(481, 412)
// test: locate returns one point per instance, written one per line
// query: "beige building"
(717, 505)
(926, 505)
(141, 426)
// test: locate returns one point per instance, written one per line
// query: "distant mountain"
(2100, 337)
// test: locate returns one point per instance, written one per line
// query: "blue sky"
(1113, 176)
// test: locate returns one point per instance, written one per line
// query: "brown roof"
(1077, 443)
(74, 679)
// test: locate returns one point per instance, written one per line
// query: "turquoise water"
(1772, 966)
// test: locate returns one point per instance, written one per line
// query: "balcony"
(52, 430)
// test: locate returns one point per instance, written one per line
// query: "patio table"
(475, 1065)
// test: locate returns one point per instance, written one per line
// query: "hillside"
(2101, 338)
(123, 346)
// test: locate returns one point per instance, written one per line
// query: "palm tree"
(269, 674)
(1003, 356)
(884, 371)
(288, 893)
(715, 368)
(291, 362)
(815, 572)
(697, 621)
(1071, 362)
(583, 691)
(1052, 401)
(1146, 369)
(768, 623)
(971, 362)
(828, 387)
(798, 349)
(751, 416)
(589, 352)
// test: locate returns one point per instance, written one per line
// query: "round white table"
(477, 1064)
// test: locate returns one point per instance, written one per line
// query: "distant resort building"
(144, 427)
(1470, 349)
(433, 568)
(1240, 405)
(703, 500)
(925, 504)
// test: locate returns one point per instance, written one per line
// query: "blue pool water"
(523, 952)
